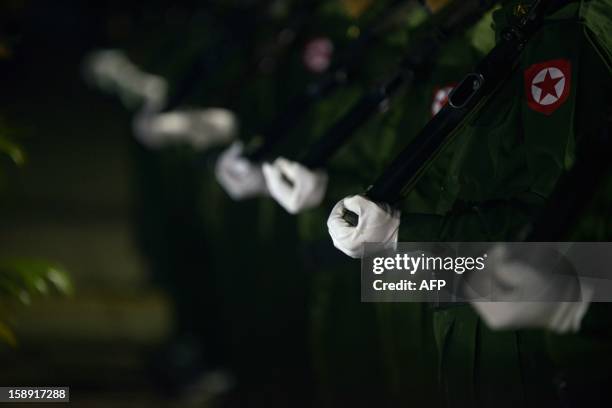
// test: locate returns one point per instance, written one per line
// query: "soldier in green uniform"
(169, 229)
(334, 364)
(486, 186)
(271, 302)
(266, 342)
(344, 328)
(224, 292)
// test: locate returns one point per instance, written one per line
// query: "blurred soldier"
(269, 304)
(222, 318)
(339, 23)
(490, 183)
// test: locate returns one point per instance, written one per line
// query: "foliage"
(23, 279)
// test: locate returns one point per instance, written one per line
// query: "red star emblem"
(547, 85)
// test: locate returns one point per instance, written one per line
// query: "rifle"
(341, 72)
(471, 93)
(420, 56)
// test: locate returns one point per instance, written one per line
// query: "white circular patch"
(537, 92)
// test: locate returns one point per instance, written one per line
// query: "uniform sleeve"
(506, 163)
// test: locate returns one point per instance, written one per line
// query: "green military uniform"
(175, 239)
(283, 279)
(264, 285)
(380, 338)
(264, 288)
(219, 259)
(455, 59)
(492, 180)
(347, 360)
(267, 284)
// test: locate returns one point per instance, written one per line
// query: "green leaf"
(7, 335)
(61, 280)
(13, 150)
(24, 278)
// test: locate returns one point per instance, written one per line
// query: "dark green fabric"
(346, 347)
(229, 267)
(496, 175)
(354, 362)
(404, 331)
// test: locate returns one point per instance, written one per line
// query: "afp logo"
(548, 85)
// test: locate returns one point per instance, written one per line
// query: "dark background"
(73, 203)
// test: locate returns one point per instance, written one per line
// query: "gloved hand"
(239, 177)
(517, 279)
(376, 224)
(112, 71)
(200, 128)
(293, 186)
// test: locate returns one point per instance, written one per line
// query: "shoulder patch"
(318, 54)
(440, 98)
(548, 85)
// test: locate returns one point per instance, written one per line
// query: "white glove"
(239, 177)
(112, 71)
(293, 186)
(519, 280)
(201, 128)
(375, 225)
